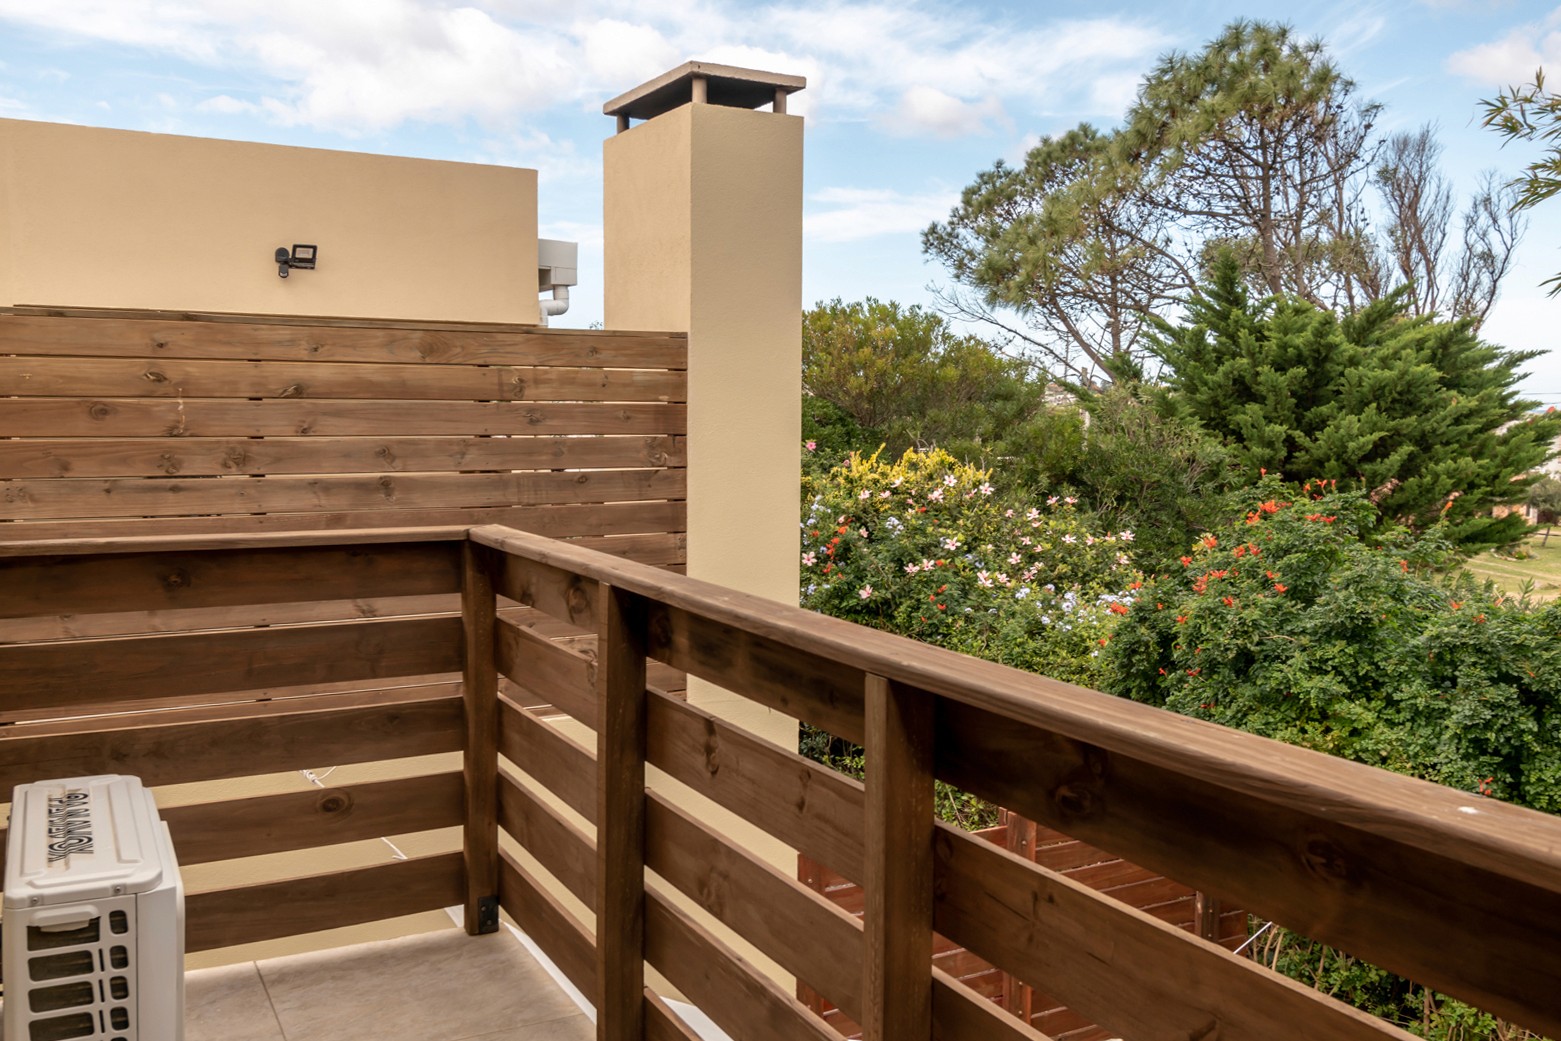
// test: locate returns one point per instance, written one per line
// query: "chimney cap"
(724, 85)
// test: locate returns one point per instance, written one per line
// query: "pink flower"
(865, 592)
(812, 446)
(809, 559)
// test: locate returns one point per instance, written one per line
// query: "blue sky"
(905, 101)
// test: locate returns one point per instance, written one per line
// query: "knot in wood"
(1075, 799)
(1325, 860)
(517, 386)
(334, 802)
(153, 376)
(234, 458)
(292, 390)
(168, 463)
(178, 578)
(100, 410)
(577, 600)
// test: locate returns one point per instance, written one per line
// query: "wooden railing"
(1457, 892)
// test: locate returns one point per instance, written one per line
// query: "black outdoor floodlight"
(301, 257)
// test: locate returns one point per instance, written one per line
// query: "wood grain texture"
(249, 914)
(81, 672)
(897, 878)
(552, 673)
(74, 331)
(558, 763)
(960, 1014)
(562, 937)
(741, 1000)
(1119, 967)
(175, 580)
(289, 417)
(203, 744)
(151, 497)
(620, 816)
(300, 820)
(385, 452)
(566, 852)
(554, 521)
(480, 759)
(185, 378)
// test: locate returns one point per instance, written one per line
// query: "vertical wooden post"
(1018, 998)
(897, 878)
(480, 845)
(620, 816)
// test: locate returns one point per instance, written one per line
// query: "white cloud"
(862, 213)
(12, 105)
(1511, 59)
(367, 65)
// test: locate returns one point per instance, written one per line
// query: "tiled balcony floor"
(441, 986)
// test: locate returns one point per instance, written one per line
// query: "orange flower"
(1229, 602)
(1280, 587)
(1210, 541)
(1117, 609)
(1186, 561)
(1181, 619)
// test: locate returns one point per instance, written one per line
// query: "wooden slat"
(620, 817)
(248, 914)
(803, 932)
(386, 452)
(300, 338)
(740, 999)
(1117, 966)
(554, 674)
(554, 521)
(807, 806)
(958, 1014)
(215, 417)
(553, 591)
(163, 581)
(79, 672)
(567, 853)
(301, 820)
(562, 937)
(480, 759)
(898, 863)
(153, 497)
(185, 378)
(558, 764)
(234, 741)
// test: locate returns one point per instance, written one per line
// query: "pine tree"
(1418, 412)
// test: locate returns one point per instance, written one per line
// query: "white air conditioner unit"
(94, 915)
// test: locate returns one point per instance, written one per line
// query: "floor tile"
(228, 1004)
(577, 1027)
(443, 986)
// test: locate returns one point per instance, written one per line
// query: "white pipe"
(556, 306)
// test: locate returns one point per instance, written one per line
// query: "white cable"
(1266, 927)
(318, 780)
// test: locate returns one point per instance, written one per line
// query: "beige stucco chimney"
(703, 234)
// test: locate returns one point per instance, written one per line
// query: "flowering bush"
(1304, 622)
(929, 548)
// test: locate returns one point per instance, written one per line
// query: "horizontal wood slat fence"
(1461, 893)
(228, 423)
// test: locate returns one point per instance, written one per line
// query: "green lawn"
(1544, 567)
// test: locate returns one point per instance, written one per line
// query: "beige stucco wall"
(703, 233)
(114, 218)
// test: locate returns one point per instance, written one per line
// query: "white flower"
(1014, 558)
(1051, 500)
(986, 489)
(896, 482)
(928, 565)
(936, 495)
(911, 569)
(1034, 513)
(948, 480)
(1008, 513)
(1069, 538)
(1070, 500)
(809, 559)
(1089, 540)
(865, 494)
(983, 579)
(951, 543)
(884, 494)
(1125, 536)
(865, 592)
(862, 532)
